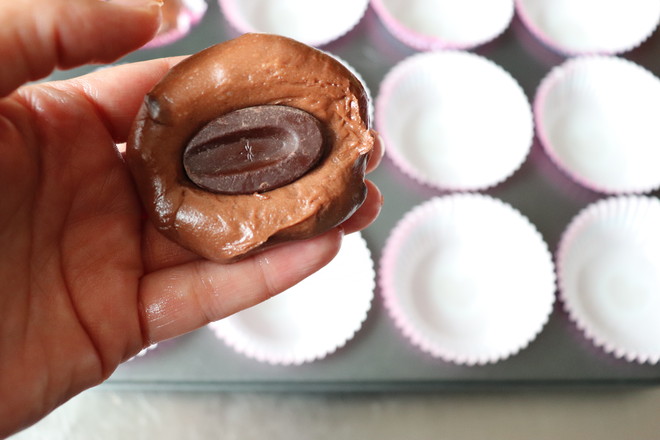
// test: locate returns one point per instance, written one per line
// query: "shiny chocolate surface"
(254, 149)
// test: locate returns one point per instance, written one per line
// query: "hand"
(86, 281)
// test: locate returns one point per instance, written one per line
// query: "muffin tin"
(380, 357)
(454, 120)
(608, 263)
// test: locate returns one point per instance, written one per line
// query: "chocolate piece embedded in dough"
(254, 149)
(252, 70)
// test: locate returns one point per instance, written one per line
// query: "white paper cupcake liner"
(445, 24)
(588, 27)
(454, 120)
(467, 279)
(178, 18)
(597, 118)
(315, 22)
(608, 265)
(310, 320)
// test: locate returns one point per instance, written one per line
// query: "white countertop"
(545, 413)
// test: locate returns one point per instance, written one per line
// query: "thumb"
(36, 36)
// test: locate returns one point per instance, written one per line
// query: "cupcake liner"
(608, 265)
(589, 27)
(597, 118)
(315, 22)
(444, 24)
(310, 320)
(454, 120)
(467, 279)
(178, 18)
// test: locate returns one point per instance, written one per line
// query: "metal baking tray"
(379, 357)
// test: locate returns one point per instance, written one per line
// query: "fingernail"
(137, 4)
(381, 141)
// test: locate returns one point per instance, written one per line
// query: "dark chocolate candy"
(254, 149)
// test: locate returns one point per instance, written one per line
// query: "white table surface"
(538, 414)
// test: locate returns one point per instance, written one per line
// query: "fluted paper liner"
(608, 265)
(589, 27)
(313, 22)
(597, 118)
(445, 24)
(454, 120)
(467, 279)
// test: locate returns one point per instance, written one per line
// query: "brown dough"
(254, 69)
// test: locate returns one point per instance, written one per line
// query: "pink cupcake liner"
(608, 266)
(315, 23)
(432, 24)
(454, 120)
(597, 119)
(310, 320)
(179, 17)
(590, 27)
(468, 279)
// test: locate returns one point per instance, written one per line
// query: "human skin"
(87, 282)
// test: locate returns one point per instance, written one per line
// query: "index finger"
(117, 92)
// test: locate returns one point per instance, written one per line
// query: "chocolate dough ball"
(223, 172)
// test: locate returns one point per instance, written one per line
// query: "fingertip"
(147, 6)
(377, 153)
(136, 4)
(128, 25)
(368, 212)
